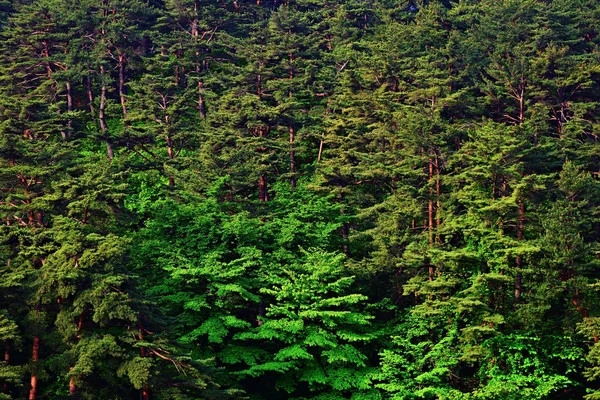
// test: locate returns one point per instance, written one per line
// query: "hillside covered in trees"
(299, 199)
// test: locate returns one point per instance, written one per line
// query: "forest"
(300, 199)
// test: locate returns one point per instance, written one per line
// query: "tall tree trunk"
(345, 234)
(194, 26)
(90, 94)
(69, 109)
(145, 393)
(101, 118)
(519, 261)
(292, 158)
(34, 360)
(201, 106)
(171, 156)
(47, 57)
(345, 228)
(263, 190)
(327, 109)
(438, 192)
(6, 362)
(122, 61)
(72, 385)
(430, 205)
(291, 129)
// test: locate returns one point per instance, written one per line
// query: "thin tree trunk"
(262, 188)
(195, 20)
(519, 261)
(201, 106)
(72, 385)
(69, 109)
(345, 233)
(171, 156)
(143, 353)
(323, 135)
(47, 56)
(345, 228)
(6, 362)
(261, 313)
(292, 133)
(90, 94)
(292, 158)
(101, 118)
(122, 85)
(263, 191)
(430, 205)
(438, 192)
(34, 360)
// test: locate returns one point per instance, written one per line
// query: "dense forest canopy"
(299, 199)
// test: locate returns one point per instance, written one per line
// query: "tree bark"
(201, 106)
(519, 261)
(323, 135)
(90, 94)
(292, 158)
(345, 228)
(143, 353)
(438, 193)
(72, 385)
(6, 362)
(263, 191)
(69, 109)
(291, 129)
(34, 360)
(101, 118)
(122, 61)
(430, 205)
(171, 156)
(262, 188)
(195, 20)
(345, 233)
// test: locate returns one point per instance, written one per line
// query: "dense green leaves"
(299, 199)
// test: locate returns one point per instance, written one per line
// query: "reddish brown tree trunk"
(263, 191)
(430, 205)
(292, 133)
(69, 109)
(47, 56)
(438, 193)
(195, 20)
(323, 134)
(292, 158)
(6, 362)
(519, 261)
(122, 61)
(201, 106)
(143, 353)
(262, 188)
(345, 228)
(90, 94)
(72, 386)
(102, 119)
(171, 156)
(34, 360)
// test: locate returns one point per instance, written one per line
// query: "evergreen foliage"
(298, 199)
